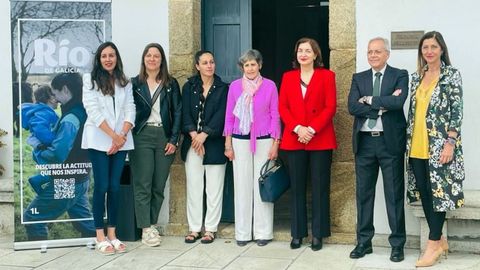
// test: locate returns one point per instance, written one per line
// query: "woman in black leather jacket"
(156, 134)
(204, 103)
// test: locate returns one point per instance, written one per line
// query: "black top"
(207, 116)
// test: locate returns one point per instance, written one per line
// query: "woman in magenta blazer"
(252, 130)
(307, 106)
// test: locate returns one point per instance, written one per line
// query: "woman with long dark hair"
(435, 165)
(156, 134)
(108, 100)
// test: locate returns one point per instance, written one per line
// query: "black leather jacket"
(170, 108)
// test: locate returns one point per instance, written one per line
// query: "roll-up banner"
(53, 44)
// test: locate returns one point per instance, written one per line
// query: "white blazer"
(115, 111)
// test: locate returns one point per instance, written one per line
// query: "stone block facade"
(6, 206)
(185, 40)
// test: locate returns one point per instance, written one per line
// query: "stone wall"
(6, 206)
(185, 40)
(343, 61)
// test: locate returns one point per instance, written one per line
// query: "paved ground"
(222, 254)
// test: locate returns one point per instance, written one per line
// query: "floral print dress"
(444, 113)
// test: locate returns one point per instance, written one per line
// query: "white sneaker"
(150, 238)
(155, 230)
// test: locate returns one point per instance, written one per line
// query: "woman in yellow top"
(435, 164)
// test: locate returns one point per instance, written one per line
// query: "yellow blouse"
(420, 136)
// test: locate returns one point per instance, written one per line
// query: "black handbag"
(273, 181)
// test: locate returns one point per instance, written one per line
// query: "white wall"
(134, 25)
(6, 152)
(458, 22)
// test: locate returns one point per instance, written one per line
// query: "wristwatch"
(452, 141)
(364, 100)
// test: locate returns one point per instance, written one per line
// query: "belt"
(373, 133)
(153, 124)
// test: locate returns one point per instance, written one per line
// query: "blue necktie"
(376, 92)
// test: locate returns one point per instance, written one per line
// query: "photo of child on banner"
(39, 118)
(65, 166)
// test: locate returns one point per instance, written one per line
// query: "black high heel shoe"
(316, 243)
(296, 243)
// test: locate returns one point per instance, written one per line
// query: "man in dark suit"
(376, 100)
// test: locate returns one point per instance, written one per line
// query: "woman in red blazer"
(307, 106)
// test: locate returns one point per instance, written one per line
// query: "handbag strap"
(156, 94)
(266, 167)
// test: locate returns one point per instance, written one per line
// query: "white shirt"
(155, 116)
(378, 126)
(304, 90)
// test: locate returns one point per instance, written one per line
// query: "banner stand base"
(46, 244)
(43, 248)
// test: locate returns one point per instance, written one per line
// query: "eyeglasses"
(375, 52)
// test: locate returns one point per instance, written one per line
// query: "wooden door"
(227, 33)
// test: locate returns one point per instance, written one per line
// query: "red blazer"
(316, 109)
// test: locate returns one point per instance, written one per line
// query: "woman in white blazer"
(108, 100)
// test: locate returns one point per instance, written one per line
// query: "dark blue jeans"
(45, 207)
(107, 170)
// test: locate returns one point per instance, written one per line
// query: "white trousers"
(248, 204)
(215, 177)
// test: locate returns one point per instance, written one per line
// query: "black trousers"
(435, 220)
(371, 155)
(318, 164)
